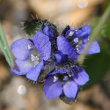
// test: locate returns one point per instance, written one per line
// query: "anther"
(30, 46)
(34, 58)
(71, 33)
(55, 79)
(76, 40)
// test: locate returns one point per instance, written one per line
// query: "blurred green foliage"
(98, 65)
(1, 0)
(105, 31)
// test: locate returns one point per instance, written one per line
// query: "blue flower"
(49, 29)
(65, 81)
(68, 75)
(60, 57)
(56, 58)
(72, 42)
(30, 55)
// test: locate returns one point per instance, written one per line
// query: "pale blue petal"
(95, 48)
(52, 89)
(70, 89)
(21, 48)
(34, 73)
(65, 47)
(43, 45)
(81, 77)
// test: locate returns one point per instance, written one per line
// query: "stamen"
(71, 33)
(77, 47)
(55, 79)
(34, 58)
(37, 58)
(30, 46)
(76, 40)
(70, 75)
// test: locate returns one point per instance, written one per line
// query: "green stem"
(95, 34)
(5, 48)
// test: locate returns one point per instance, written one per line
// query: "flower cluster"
(53, 58)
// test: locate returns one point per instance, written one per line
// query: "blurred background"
(18, 93)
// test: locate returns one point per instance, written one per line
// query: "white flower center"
(34, 58)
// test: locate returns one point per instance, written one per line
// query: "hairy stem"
(5, 48)
(95, 34)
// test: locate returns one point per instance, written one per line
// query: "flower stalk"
(5, 48)
(95, 34)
